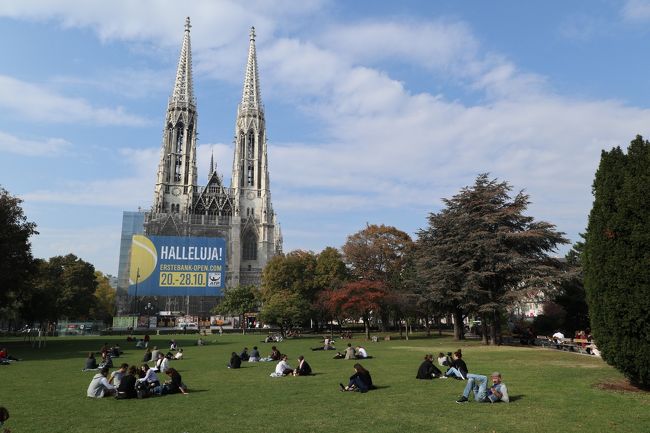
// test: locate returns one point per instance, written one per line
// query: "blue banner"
(177, 266)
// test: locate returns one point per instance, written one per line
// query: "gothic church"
(242, 213)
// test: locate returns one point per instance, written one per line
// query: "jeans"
(453, 371)
(478, 384)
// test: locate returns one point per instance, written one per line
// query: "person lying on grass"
(477, 383)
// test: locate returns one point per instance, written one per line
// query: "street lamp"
(135, 300)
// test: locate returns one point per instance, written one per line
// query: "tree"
(379, 253)
(75, 286)
(16, 261)
(480, 254)
(292, 273)
(104, 299)
(357, 300)
(616, 258)
(572, 297)
(284, 309)
(238, 301)
(330, 273)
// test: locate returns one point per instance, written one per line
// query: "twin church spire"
(241, 213)
(177, 180)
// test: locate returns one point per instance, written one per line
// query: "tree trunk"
(427, 326)
(459, 332)
(485, 329)
(496, 339)
(366, 323)
(406, 325)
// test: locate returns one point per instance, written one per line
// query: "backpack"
(142, 389)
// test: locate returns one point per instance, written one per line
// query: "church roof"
(183, 86)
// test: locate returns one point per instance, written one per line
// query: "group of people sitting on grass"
(457, 368)
(129, 382)
(358, 352)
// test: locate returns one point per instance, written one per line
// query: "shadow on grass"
(516, 397)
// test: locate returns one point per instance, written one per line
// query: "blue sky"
(375, 109)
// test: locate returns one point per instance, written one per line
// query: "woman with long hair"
(360, 381)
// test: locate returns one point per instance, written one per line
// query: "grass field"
(551, 391)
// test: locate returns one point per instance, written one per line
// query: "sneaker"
(342, 387)
(462, 399)
(443, 377)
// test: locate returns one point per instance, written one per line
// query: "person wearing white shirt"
(361, 352)
(99, 386)
(162, 364)
(282, 368)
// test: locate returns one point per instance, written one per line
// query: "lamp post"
(135, 300)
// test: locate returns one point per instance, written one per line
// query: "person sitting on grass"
(458, 367)
(200, 342)
(282, 368)
(107, 361)
(91, 362)
(444, 360)
(117, 375)
(174, 385)
(235, 361)
(349, 352)
(275, 355)
(179, 354)
(361, 352)
(327, 345)
(255, 355)
(427, 370)
(303, 369)
(126, 388)
(162, 364)
(150, 378)
(477, 383)
(339, 355)
(360, 381)
(4, 416)
(99, 386)
(244, 354)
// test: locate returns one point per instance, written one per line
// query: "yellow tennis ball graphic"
(143, 259)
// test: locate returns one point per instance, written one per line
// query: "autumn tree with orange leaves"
(357, 300)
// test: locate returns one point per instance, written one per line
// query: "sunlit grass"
(551, 391)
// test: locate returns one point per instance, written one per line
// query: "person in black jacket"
(127, 384)
(303, 369)
(360, 381)
(235, 361)
(175, 384)
(458, 368)
(427, 370)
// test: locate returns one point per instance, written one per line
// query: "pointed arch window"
(249, 243)
(250, 174)
(251, 144)
(179, 137)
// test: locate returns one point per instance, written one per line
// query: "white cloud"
(98, 245)
(40, 104)
(636, 10)
(20, 146)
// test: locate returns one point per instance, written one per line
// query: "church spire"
(183, 86)
(177, 174)
(251, 95)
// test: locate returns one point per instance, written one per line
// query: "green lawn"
(551, 391)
